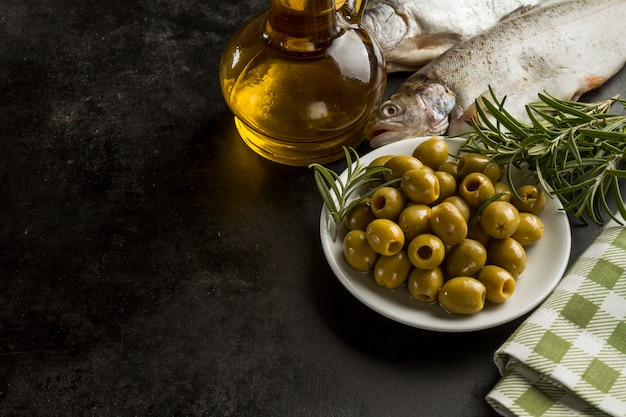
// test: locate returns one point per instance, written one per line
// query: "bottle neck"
(302, 25)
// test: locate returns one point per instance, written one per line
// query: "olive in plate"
(530, 229)
(475, 188)
(424, 285)
(414, 220)
(400, 164)
(426, 251)
(448, 224)
(360, 215)
(357, 252)
(499, 283)
(462, 295)
(499, 219)
(420, 186)
(531, 199)
(475, 162)
(385, 237)
(387, 203)
(432, 152)
(466, 258)
(392, 271)
(507, 253)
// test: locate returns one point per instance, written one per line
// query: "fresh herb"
(576, 149)
(337, 194)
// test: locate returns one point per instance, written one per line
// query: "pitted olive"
(474, 162)
(432, 152)
(420, 186)
(475, 188)
(426, 251)
(424, 285)
(503, 188)
(400, 164)
(476, 232)
(451, 167)
(507, 253)
(499, 283)
(462, 295)
(360, 215)
(447, 185)
(414, 220)
(499, 219)
(448, 224)
(461, 204)
(531, 199)
(392, 271)
(387, 203)
(530, 229)
(385, 237)
(358, 252)
(466, 258)
(380, 161)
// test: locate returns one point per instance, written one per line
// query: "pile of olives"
(451, 230)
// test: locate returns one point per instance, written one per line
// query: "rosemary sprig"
(337, 194)
(577, 149)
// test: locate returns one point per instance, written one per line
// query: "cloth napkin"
(568, 358)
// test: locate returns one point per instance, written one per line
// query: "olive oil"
(301, 80)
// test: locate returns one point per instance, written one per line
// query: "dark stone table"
(152, 265)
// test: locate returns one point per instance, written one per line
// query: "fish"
(565, 49)
(411, 33)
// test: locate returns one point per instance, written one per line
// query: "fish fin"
(594, 81)
(414, 52)
(459, 118)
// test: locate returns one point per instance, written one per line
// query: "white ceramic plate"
(545, 265)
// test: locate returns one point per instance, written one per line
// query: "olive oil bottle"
(301, 80)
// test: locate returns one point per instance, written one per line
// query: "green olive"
(461, 204)
(448, 224)
(387, 203)
(499, 219)
(507, 253)
(502, 187)
(462, 295)
(476, 232)
(530, 229)
(475, 188)
(447, 185)
(358, 252)
(414, 220)
(400, 164)
(451, 167)
(380, 161)
(466, 258)
(426, 251)
(432, 152)
(424, 285)
(360, 215)
(392, 271)
(420, 186)
(474, 162)
(385, 237)
(531, 199)
(499, 283)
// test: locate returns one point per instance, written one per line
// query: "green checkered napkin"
(569, 357)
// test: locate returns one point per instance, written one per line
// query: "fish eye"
(389, 109)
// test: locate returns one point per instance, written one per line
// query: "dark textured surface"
(152, 265)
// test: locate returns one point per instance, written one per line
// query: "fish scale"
(565, 49)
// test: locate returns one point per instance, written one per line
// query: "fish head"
(417, 108)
